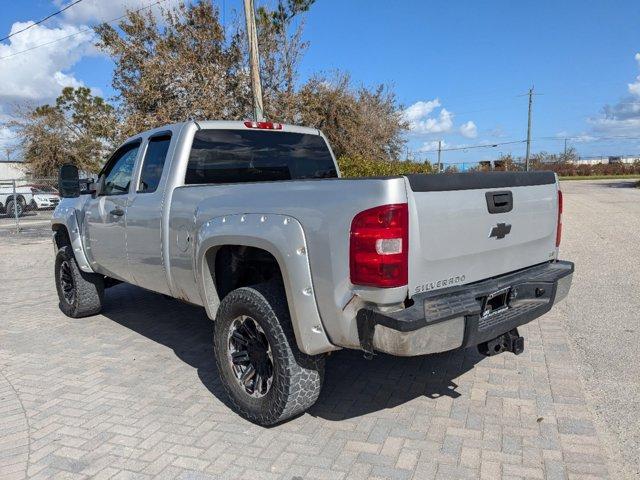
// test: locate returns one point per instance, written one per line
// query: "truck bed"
(450, 228)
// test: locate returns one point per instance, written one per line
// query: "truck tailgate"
(472, 226)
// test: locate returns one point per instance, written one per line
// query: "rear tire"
(80, 293)
(265, 376)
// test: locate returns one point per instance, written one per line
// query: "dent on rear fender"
(283, 237)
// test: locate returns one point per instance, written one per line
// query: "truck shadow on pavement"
(353, 385)
(620, 183)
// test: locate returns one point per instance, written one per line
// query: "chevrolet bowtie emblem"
(501, 230)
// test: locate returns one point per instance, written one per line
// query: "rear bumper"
(452, 318)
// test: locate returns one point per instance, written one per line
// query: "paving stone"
(134, 393)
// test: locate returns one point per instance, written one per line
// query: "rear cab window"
(239, 156)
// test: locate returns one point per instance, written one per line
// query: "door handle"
(117, 212)
(499, 202)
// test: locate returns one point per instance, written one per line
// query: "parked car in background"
(15, 201)
(251, 221)
(44, 197)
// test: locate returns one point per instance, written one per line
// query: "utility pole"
(254, 60)
(439, 152)
(526, 161)
(564, 158)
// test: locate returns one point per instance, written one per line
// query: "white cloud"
(583, 138)
(622, 118)
(94, 11)
(36, 64)
(616, 126)
(424, 118)
(469, 130)
(40, 73)
(442, 124)
(421, 123)
(420, 110)
(577, 138)
(634, 88)
(432, 145)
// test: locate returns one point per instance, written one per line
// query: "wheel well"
(19, 198)
(238, 266)
(61, 236)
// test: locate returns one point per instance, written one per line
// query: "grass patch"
(600, 177)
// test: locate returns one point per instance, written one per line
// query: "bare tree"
(79, 128)
(281, 47)
(9, 152)
(359, 122)
(188, 66)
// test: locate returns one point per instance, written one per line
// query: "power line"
(469, 147)
(81, 31)
(590, 138)
(40, 21)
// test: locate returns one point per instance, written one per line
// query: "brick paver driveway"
(133, 393)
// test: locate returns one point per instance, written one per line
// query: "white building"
(12, 170)
(625, 159)
(629, 159)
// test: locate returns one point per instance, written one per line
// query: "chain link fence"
(26, 206)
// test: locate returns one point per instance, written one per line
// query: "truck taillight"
(559, 227)
(379, 246)
(263, 125)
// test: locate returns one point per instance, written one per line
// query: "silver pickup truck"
(252, 221)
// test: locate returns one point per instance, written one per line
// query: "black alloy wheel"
(250, 356)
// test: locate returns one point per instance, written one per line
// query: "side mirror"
(86, 186)
(69, 181)
(92, 188)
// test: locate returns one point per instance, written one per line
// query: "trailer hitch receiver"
(507, 342)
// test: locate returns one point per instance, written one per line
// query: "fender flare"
(283, 237)
(67, 218)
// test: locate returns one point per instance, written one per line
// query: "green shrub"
(364, 167)
(361, 167)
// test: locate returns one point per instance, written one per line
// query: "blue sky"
(458, 68)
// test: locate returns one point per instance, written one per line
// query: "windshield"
(236, 156)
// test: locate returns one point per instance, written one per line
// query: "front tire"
(13, 206)
(80, 293)
(265, 376)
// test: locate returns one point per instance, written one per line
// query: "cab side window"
(153, 163)
(119, 170)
